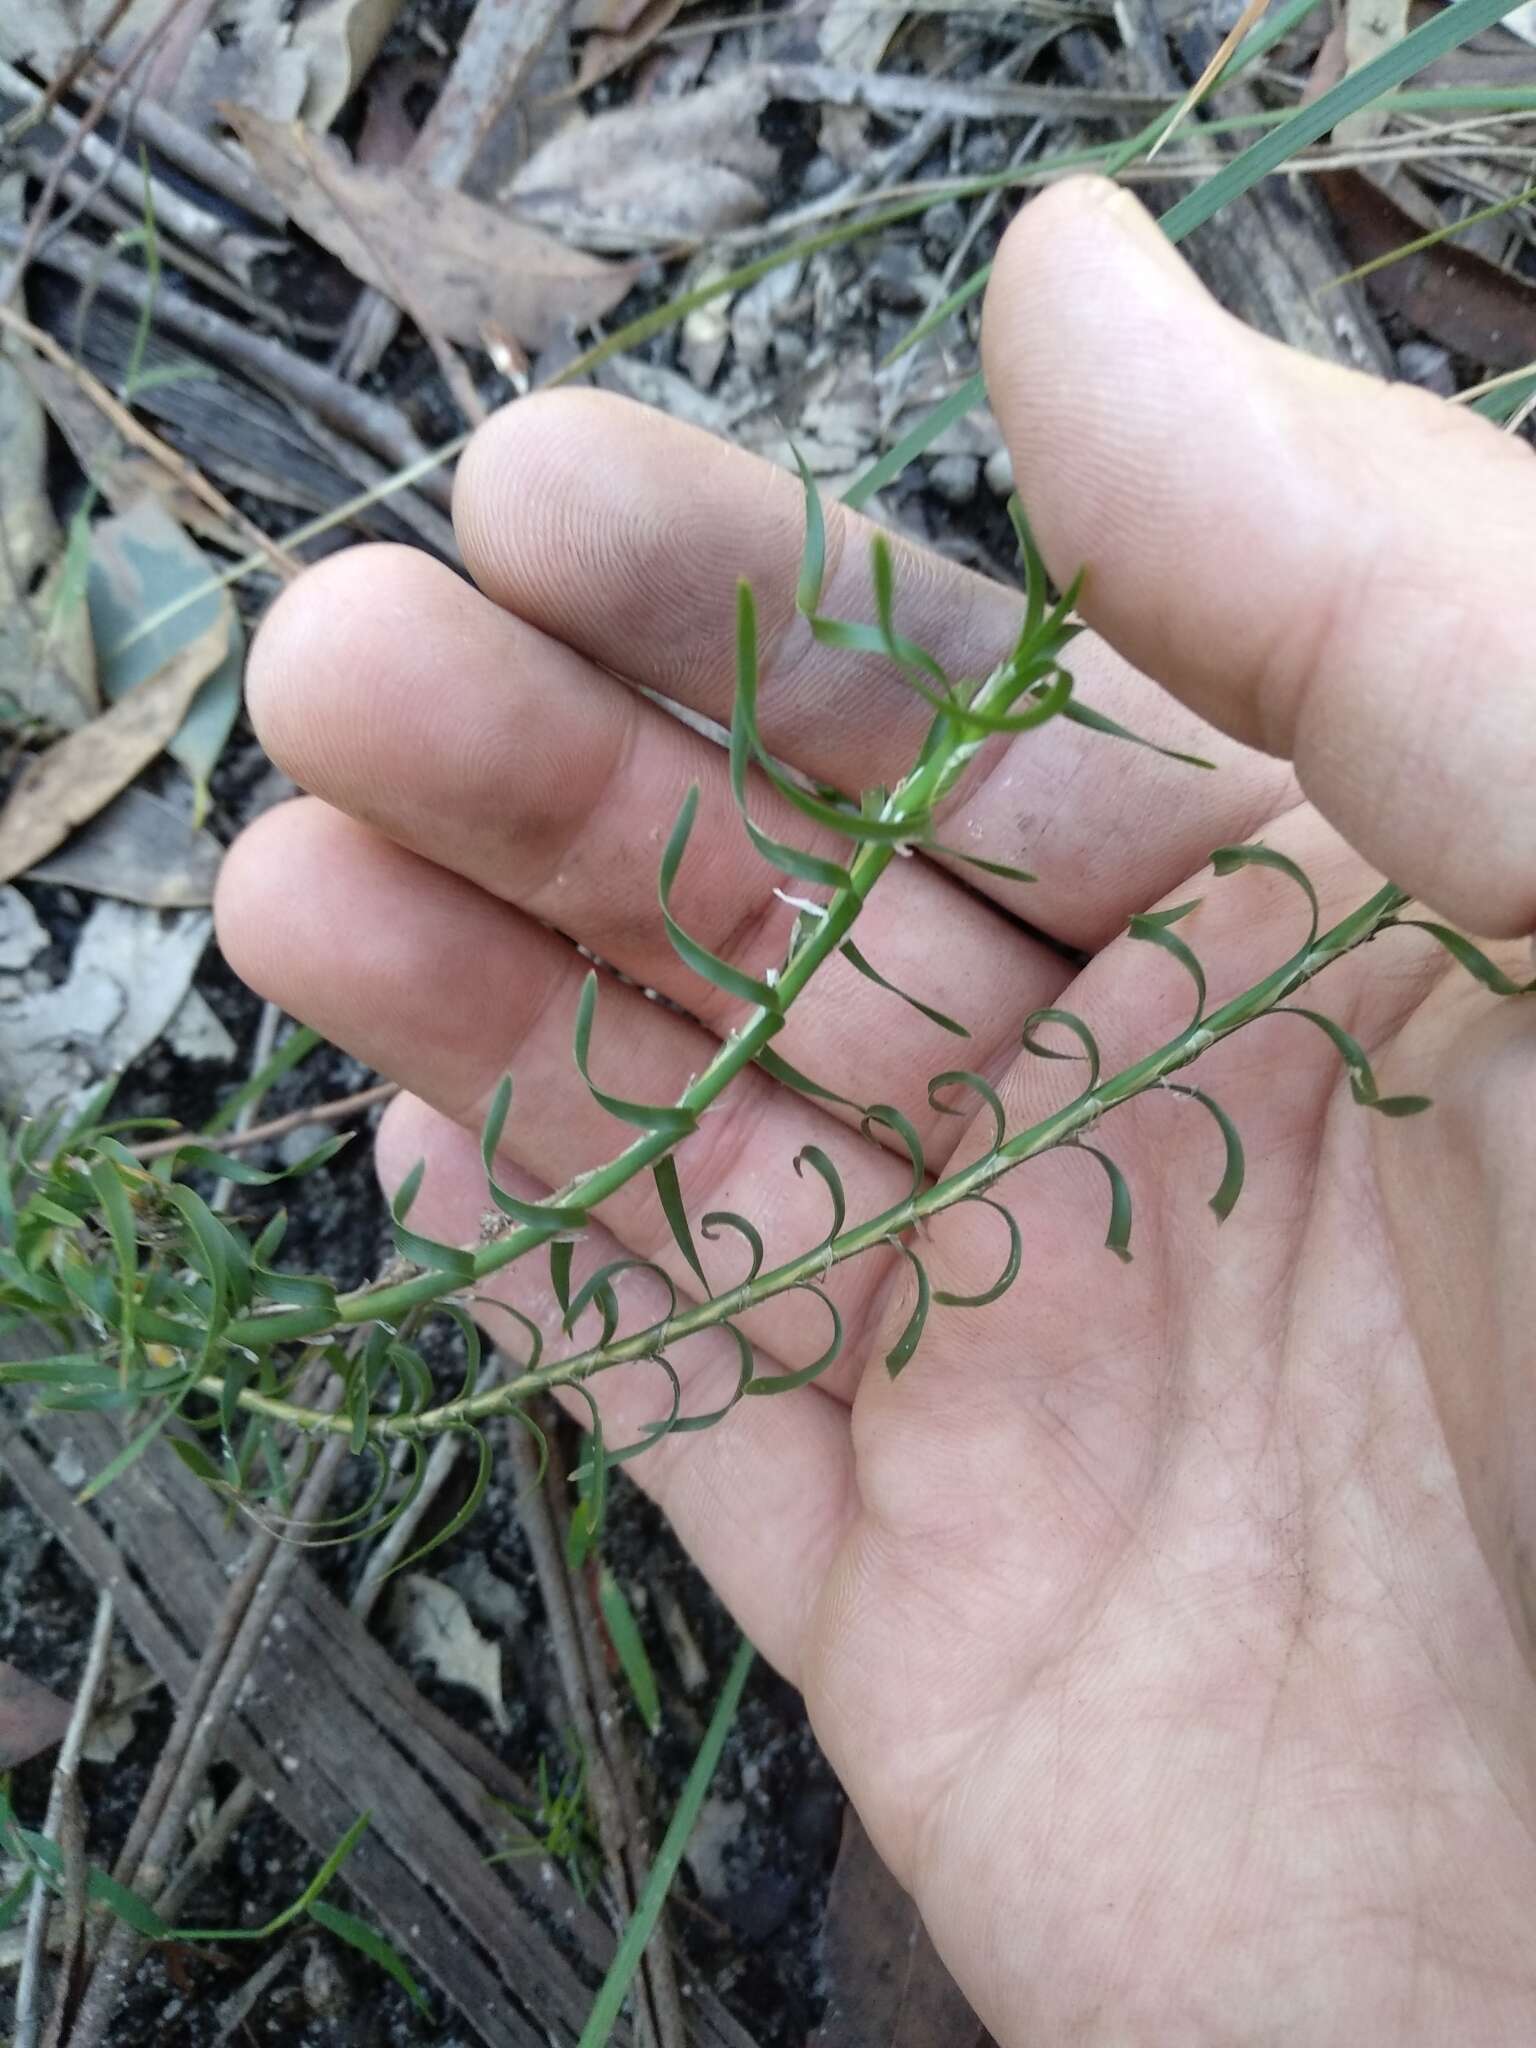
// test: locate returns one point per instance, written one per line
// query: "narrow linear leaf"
(1362, 1080)
(718, 973)
(425, 1251)
(537, 1214)
(465, 1515)
(1118, 1239)
(855, 958)
(747, 746)
(1096, 721)
(560, 1255)
(1471, 957)
(669, 1193)
(988, 867)
(645, 1116)
(747, 1366)
(779, 1069)
(813, 558)
(900, 1353)
(629, 1647)
(1224, 1201)
(599, 1290)
(642, 1923)
(368, 1942)
(1010, 1272)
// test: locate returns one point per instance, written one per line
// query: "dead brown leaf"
(465, 261)
(72, 779)
(1458, 298)
(886, 1987)
(631, 32)
(671, 170)
(32, 1719)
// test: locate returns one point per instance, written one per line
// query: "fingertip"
(342, 617)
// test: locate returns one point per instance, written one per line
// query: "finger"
(760, 1501)
(468, 736)
(1331, 569)
(446, 990)
(623, 534)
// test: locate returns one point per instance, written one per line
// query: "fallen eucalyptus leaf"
(47, 668)
(338, 40)
(130, 970)
(431, 1621)
(73, 778)
(32, 1719)
(141, 849)
(465, 264)
(667, 170)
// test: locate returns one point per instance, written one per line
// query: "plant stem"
(1062, 1127)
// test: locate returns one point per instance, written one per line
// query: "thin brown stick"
(38, 219)
(149, 443)
(209, 1701)
(82, 56)
(276, 1127)
(377, 425)
(29, 1987)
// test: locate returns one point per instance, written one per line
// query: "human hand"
(1172, 1625)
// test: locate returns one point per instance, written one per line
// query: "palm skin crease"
(1169, 1624)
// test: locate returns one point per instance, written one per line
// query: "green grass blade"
(626, 1961)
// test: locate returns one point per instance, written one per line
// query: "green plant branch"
(1063, 1127)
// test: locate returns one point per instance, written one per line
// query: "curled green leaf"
(716, 1220)
(1095, 721)
(733, 981)
(425, 1251)
(670, 1194)
(779, 1069)
(1118, 1239)
(1362, 1080)
(537, 1214)
(1471, 957)
(1155, 927)
(817, 1160)
(1069, 1021)
(645, 1116)
(1224, 1201)
(786, 1382)
(1227, 860)
(961, 1077)
(891, 1119)
(900, 1353)
(1010, 1272)
(747, 746)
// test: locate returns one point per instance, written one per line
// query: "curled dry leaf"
(461, 259)
(667, 171)
(339, 39)
(32, 1719)
(71, 780)
(432, 1622)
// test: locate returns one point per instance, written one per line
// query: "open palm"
(1167, 1622)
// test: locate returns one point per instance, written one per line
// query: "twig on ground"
(658, 2013)
(394, 1544)
(377, 425)
(39, 229)
(85, 54)
(212, 167)
(194, 1740)
(149, 443)
(276, 1127)
(496, 52)
(208, 1847)
(64, 1790)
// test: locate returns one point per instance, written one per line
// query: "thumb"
(1332, 569)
